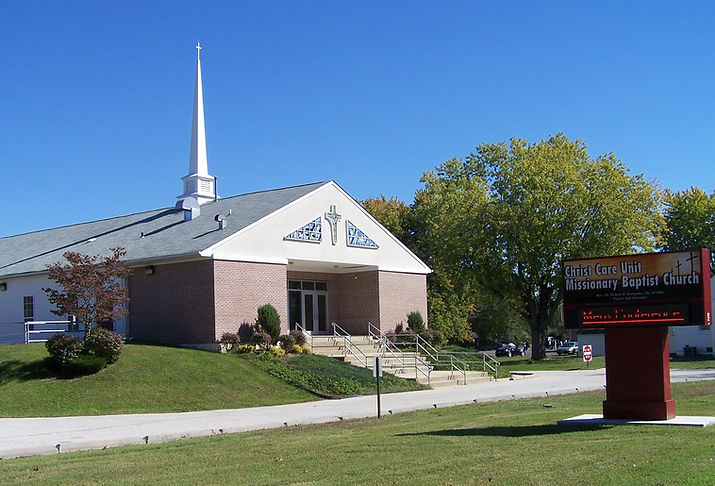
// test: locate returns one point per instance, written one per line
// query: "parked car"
(509, 349)
(568, 347)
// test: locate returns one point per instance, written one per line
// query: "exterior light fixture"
(149, 270)
(3, 286)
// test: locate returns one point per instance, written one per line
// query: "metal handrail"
(349, 345)
(439, 357)
(386, 345)
(483, 359)
(392, 348)
(307, 334)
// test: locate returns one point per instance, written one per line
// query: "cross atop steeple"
(198, 51)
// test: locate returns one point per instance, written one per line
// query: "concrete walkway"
(37, 436)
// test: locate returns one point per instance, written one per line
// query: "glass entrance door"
(315, 312)
(308, 305)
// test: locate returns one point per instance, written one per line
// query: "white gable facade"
(357, 275)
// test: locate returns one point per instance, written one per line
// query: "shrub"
(87, 364)
(298, 349)
(246, 349)
(433, 336)
(415, 322)
(286, 341)
(299, 337)
(277, 351)
(409, 336)
(105, 343)
(261, 340)
(228, 340)
(269, 321)
(63, 349)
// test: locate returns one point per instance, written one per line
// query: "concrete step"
(334, 347)
(448, 378)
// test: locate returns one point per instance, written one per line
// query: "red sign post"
(634, 298)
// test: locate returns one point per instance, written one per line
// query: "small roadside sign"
(377, 373)
(377, 367)
(587, 353)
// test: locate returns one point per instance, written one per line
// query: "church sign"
(652, 289)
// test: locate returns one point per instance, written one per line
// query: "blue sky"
(95, 110)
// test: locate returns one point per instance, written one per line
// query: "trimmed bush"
(105, 343)
(299, 337)
(269, 321)
(87, 364)
(261, 340)
(229, 340)
(415, 322)
(286, 341)
(63, 349)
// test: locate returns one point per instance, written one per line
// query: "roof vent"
(191, 208)
(221, 219)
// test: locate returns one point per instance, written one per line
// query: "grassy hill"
(149, 378)
(145, 379)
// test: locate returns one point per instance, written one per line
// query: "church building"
(203, 266)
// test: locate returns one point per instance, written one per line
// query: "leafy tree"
(499, 222)
(393, 214)
(90, 289)
(689, 221)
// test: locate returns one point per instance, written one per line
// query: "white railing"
(36, 331)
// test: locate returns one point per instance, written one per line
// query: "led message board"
(651, 289)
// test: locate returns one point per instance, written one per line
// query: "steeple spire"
(198, 184)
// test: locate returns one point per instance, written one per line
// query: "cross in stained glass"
(333, 219)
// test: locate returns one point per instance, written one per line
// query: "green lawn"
(506, 443)
(145, 379)
(164, 379)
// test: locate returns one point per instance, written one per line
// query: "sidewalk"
(38, 436)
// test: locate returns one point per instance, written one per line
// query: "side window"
(28, 308)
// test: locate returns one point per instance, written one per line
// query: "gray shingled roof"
(166, 234)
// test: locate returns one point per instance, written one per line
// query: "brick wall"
(400, 294)
(359, 301)
(242, 287)
(174, 305)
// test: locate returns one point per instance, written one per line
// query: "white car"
(569, 347)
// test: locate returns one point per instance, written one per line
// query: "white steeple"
(198, 184)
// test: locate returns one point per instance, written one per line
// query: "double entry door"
(308, 305)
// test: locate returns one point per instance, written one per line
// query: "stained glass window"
(310, 232)
(357, 237)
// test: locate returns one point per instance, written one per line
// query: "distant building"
(203, 266)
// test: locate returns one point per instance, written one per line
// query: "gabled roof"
(165, 233)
